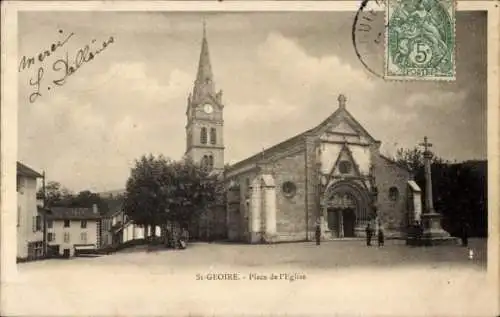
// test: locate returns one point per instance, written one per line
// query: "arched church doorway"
(346, 207)
(341, 212)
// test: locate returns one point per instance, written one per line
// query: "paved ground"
(343, 277)
(332, 254)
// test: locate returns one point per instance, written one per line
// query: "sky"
(280, 74)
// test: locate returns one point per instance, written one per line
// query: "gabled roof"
(349, 116)
(345, 149)
(341, 110)
(26, 171)
(72, 213)
(268, 180)
(414, 186)
(257, 157)
(114, 207)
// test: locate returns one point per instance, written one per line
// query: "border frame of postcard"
(9, 97)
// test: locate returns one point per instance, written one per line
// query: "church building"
(205, 142)
(333, 175)
(204, 129)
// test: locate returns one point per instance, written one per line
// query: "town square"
(361, 279)
(167, 166)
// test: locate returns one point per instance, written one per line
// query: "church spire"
(204, 84)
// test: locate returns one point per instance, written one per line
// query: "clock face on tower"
(208, 108)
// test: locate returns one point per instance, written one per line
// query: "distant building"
(112, 194)
(117, 228)
(29, 221)
(70, 229)
(114, 212)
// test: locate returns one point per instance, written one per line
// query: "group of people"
(416, 230)
(370, 233)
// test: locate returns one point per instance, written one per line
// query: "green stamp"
(420, 39)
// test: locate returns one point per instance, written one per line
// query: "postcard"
(227, 158)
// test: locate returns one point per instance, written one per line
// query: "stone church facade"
(333, 175)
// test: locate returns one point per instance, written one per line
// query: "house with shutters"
(71, 229)
(30, 244)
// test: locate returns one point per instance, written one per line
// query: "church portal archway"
(346, 208)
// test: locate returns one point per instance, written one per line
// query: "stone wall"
(392, 212)
(211, 225)
(312, 171)
(238, 207)
(291, 210)
(234, 214)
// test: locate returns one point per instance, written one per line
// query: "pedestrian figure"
(465, 234)
(183, 238)
(318, 234)
(419, 232)
(185, 234)
(380, 237)
(368, 235)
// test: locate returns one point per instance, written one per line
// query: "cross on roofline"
(426, 144)
(342, 100)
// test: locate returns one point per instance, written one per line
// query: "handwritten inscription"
(66, 68)
(63, 67)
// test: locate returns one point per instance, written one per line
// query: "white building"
(117, 228)
(70, 228)
(29, 221)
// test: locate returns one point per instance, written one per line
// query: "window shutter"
(34, 223)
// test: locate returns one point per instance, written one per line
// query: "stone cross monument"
(431, 220)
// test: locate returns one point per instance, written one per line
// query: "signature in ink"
(26, 62)
(63, 67)
(83, 55)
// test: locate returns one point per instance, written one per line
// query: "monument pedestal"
(433, 233)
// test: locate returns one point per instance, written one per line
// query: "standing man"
(380, 236)
(369, 233)
(318, 232)
(420, 232)
(465, 234)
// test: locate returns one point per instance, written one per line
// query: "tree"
(55, 194)
(413, 159)
(160, 191)
(143, 198)
(88, 199)
(193, 190)
(459, 189)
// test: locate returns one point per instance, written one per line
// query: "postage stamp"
(420, 40)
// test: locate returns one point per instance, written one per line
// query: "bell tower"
(204, 129)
